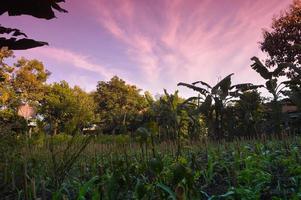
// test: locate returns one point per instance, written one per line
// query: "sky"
(153, 44)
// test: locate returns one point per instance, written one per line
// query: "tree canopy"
(118, 103)
(282, 42)
(66, 109)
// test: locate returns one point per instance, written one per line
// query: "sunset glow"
(153, 44)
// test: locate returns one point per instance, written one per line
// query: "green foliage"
(29, 80)
(66, 109)
(156, 165)
(118, 105)
(244, 117)
(282, 40)
(23, 82)
(237, 170)
(215, 100)
(276, 89)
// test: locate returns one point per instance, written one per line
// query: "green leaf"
(168, 190)
(86, 187)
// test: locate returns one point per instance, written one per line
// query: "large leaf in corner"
(14, 31)
(37, 8)
(21, 44)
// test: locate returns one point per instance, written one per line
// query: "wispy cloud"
(188, 40)
(74, 59)
(154, 44)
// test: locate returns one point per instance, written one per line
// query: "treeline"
(221, 111)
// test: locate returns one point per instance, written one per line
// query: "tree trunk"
(55, 127)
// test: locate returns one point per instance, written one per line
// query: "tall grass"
(115, 168)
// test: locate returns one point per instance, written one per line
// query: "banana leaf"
(195, 88)
(260, 68)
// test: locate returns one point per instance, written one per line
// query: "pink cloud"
(75, 59)
(189, 40)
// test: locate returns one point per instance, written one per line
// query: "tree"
(283, 46)
(295, 88)
(84, 114)
(275, 88)
(36, 8)
(215, 100)
(282, 42)
(173, 117)
(29, 80)
(66, 109)
(24, 82)
(118, 105)
(248, 114)
(271, 77)
(20, 83)
(5, 76)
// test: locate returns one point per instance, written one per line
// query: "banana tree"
(196, 126)
(273, 87)
(247, 114)
(172, 116)
(214, 99)
(295, 87)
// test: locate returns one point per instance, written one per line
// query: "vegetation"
(258, 169)
(118, 105)
(117, 143)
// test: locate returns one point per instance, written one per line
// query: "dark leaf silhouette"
(235, 94)
(246, 86)
(293, 67)
(205, 106)
(37, 8)
(223, 85)
(195, 88)
(16, 32)
(21, 44)
(265, 73)
(280, 69)
(191, 99)
(260, 68)
(271, 85)
(203, 83)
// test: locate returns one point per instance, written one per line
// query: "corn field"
(84, 168)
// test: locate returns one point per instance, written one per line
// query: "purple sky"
(151, 43)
